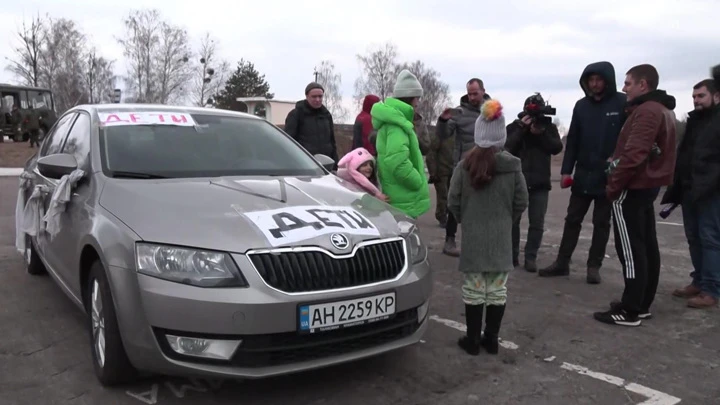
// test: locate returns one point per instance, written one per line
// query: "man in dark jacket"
(459, 123)
(643, 162)
(534, 143)
(696, 186)
(594, 128)
(363, 126)
(311, 124)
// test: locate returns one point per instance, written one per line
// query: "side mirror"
(326, 161)
(56, 166)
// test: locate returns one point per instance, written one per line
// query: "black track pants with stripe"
(637, 247)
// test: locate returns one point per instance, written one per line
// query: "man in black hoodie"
(311, 124)
(596, 122)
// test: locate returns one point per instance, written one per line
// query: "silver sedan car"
(205, 242)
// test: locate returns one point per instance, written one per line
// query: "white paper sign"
(146, 118)
(289, 225)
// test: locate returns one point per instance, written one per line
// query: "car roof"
(114, 108)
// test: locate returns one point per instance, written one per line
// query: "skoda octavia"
(205, 242)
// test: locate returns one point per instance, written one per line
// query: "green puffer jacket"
(401, 170)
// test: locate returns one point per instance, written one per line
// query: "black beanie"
(313, 86)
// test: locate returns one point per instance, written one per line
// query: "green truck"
(40, 99)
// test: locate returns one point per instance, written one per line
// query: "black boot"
(494, 316)
(473, 318)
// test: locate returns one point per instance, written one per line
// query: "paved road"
(558, 353)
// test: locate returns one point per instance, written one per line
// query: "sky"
(517, 47)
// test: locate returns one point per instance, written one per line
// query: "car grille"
(287, 348)
(307, 271)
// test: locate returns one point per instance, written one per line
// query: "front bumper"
(264, 319)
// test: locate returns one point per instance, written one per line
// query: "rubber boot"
(473, 318)
(493, 319)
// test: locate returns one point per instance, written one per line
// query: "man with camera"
(594, 128)
(534, 139)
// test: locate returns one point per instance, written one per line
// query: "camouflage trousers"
(442, 186)
(485, 288)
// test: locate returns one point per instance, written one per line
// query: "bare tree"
(157, 54)
(27, 61)
(100, 78)
(172, 67)
(332, 81)
(210, 74)
(377, 72)
(436, 93)
(64, 64)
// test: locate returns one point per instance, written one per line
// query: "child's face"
(366, 169)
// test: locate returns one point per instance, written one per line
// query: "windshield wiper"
(136, 175)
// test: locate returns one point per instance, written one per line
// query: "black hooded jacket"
(313, 128)
(593, 132)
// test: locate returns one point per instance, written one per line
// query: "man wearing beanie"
(311, 124)
(401, 169)
(461, 127)
(487, 194)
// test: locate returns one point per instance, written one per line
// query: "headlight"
(418, 250)
(200, 268)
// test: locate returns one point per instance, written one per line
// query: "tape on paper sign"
(145, 118)
(292, 224)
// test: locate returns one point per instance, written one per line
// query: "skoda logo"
(339, 241)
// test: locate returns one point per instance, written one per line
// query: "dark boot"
(593, 275)
(493, 319)
(473, 318)
(451, 248)
(530, 266)
(556, 269)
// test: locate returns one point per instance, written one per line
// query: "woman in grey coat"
(487, 193)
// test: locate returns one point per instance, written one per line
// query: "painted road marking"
(669, 223)
(11, 171)
(653, 397)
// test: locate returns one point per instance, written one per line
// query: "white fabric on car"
(25, 184)
(59, 199)
(34, 211)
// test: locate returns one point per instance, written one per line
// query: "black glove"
(432, 180)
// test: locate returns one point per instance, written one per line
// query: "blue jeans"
(702, 229)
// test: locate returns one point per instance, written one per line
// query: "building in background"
(274, 111)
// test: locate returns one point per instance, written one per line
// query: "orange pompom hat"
(490, 125)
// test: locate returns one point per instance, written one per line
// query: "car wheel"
(110, 361)
(33, 264)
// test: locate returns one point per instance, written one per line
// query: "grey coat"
(462, 127)
(486, 215)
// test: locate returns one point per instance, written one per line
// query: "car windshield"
(198, 145)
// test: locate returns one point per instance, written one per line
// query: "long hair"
(480, 165)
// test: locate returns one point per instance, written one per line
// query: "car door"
(76, 220)
(53, 144)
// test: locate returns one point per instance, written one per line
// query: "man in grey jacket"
(459, 123)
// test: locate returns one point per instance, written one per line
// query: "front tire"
(33, 264)
(110, 361)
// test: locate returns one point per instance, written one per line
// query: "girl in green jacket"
(401, 169)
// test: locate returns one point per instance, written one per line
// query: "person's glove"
(432, 180)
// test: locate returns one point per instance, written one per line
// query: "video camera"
(716, 75)
(538, 110)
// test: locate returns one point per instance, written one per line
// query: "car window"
(78, 141)
(211, 145)
(54, 140)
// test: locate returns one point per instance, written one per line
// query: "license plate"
(343, 314)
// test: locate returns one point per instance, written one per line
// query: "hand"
(446, 114)
(526, 120)
(566, 181)
(432, 180)
(383, 197)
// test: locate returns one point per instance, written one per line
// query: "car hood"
(236, 214)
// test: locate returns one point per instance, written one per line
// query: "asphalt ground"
(553, 351)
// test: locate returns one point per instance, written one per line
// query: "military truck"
(41, 100)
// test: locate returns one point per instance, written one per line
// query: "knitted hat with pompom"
(490, 126)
